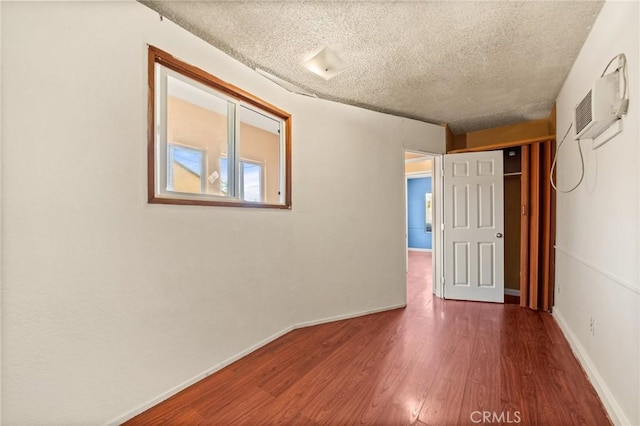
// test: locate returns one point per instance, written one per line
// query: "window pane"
(224, 175)
(251, 182)
(197, 120)
(259, 152)
(186, 169)
(251, 178)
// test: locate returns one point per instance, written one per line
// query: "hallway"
(435, 362)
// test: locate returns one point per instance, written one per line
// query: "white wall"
(598, 226)
(99, 315)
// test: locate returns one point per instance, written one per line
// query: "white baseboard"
(616, 414)
(166, 395)
(512, 292)
(348, 316)
(419, 249)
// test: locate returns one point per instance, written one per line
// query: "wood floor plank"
(363, 371)
(254, 400)
(326, 387)
(281, 375)
(433, 363)
(482, 388)
(515, 367)
(446, 393)
(398, 395)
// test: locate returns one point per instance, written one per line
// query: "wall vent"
(583, 113)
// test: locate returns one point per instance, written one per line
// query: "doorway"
(422, 238)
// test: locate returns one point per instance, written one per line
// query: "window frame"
(241, 181)
(154, 133)
(241, 162)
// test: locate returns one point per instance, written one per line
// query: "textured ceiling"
(473, 65)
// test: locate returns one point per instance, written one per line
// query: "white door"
(473, 226)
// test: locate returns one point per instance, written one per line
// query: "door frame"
(437, 237)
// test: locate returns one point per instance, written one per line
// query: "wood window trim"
(159, 56)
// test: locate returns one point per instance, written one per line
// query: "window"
(250, 179)
(186, 169)
(428, 212)
(211, 143)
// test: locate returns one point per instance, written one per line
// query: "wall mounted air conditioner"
(603, 105)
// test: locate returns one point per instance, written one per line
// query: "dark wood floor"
(435, 362)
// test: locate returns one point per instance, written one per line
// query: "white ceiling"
(473, 65)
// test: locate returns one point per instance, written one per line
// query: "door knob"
(499, 235)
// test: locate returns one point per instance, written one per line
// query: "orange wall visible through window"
(197, 127)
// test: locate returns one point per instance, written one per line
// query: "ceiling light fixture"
(326, 63)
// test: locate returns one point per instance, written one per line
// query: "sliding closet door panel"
(524, 227)
(546, 226)
(552, 238)
(534, 227)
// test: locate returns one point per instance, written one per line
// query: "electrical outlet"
(592, 326)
